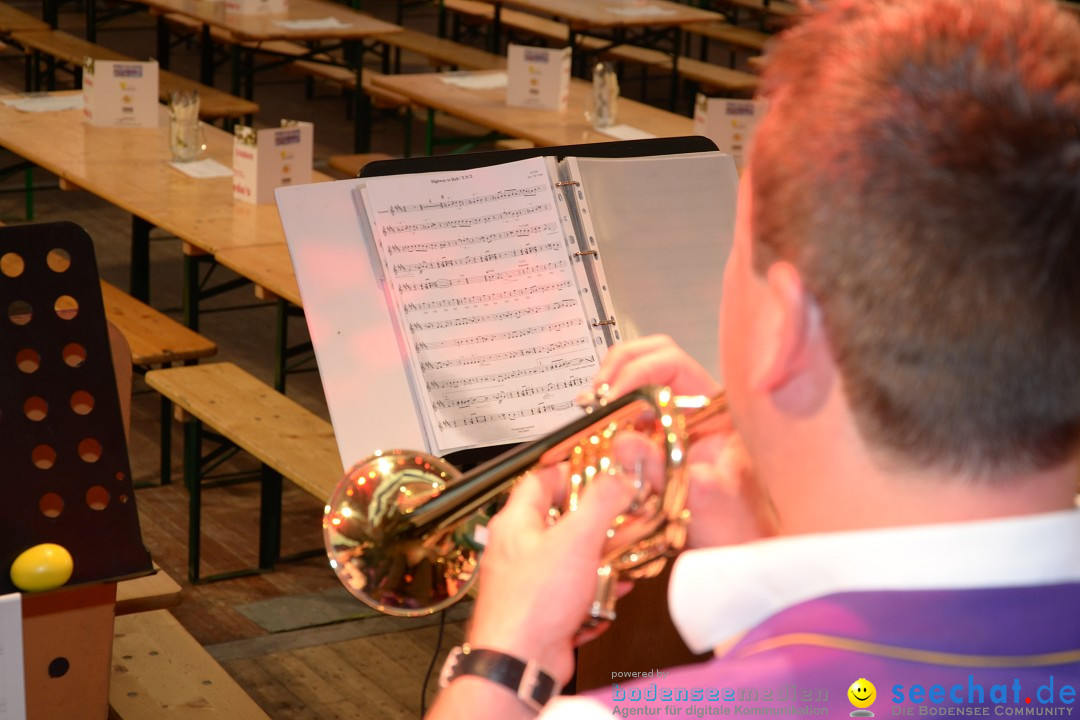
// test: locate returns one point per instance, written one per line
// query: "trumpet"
(405, 530)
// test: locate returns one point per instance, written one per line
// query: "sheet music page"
(663, 225)
(478, 270)
(12, 687)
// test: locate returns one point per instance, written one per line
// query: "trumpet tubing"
(405, 531)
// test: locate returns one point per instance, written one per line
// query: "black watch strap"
(533, 686)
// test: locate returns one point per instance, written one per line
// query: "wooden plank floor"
(366, 669)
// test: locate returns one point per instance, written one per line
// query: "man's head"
(920, 168)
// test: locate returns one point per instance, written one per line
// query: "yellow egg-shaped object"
(42, 567)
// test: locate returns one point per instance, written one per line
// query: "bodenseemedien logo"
(862, 695)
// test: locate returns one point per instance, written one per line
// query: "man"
(900, 344)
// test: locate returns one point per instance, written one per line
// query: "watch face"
(449, 668)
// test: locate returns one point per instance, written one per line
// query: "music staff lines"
(491, 317)
(465, 202)
(421, 346)
(446, 283)
(467, 222)
(500, 377)
(511, 415)
(501, 395)
(526, 251)
(486, 297)
(508, 355)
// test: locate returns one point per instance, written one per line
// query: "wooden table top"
(488, 108)
(608, 14)
(353, 24)
(268, 266)
(129, 168)
(12, 20)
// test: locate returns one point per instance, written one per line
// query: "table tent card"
(729, 123)
(120, 93)
(538, 77)
(264, 160)
(257, 7)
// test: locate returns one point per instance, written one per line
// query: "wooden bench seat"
(442, 51)
(156, 340)
(351, 165)
(161, 672)
(289, 440)
(733, 35)
(214, 104)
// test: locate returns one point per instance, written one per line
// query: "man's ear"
(790, 324)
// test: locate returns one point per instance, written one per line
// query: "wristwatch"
(533, 686)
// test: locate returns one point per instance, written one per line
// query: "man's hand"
(538, 578)
(653, 360)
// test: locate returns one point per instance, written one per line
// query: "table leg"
(677, 43)
(495, 30)
(163, 45)
(354, 56)
(91, 20)
(206, 57)
(139, 279)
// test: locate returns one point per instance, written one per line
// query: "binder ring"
(603, 322)
(564, 183)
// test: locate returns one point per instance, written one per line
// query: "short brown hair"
(920, 165)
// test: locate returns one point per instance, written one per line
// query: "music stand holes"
(51, 505)
(66, 307)
(43, 457)
(120, 477)
(58, 260)
(97, 498)
(74, 355)
(90, 450)
(12, 264)
(35, 408)
(122, 498)
(20, 312)
(59, 667)
(82, 402)
(28, 360)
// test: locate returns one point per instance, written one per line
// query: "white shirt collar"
(718, 593)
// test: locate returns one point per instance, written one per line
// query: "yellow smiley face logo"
(862, 693)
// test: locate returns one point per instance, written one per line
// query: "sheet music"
(478, 272)
(12, 688)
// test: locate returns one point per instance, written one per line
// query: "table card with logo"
(729, 123)
(256, 7)
(538, 77)
(270, 158)
(120, 94)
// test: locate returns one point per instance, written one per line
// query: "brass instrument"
(404, 530)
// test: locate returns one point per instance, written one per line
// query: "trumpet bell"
(373, 544)
(404, 531)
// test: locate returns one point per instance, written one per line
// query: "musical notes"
(489, 257)
(487, 300)
(455, 223)
(490, 276)
(532, 191)
(507, 355)
(515, 314)
(501, 377)
(509, 415)
(488, 297)
(502, 395)
(492, 337)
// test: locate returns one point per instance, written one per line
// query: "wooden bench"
(442, 51)
(161, 672)
(156, 340)
(290, 441)
(351, 165)
(214, 104)
(735, 37)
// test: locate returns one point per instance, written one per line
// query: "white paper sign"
(267, 159)
(256, 7)
(120, 94)
(12, 687)
(729, 123)
(538, 77)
